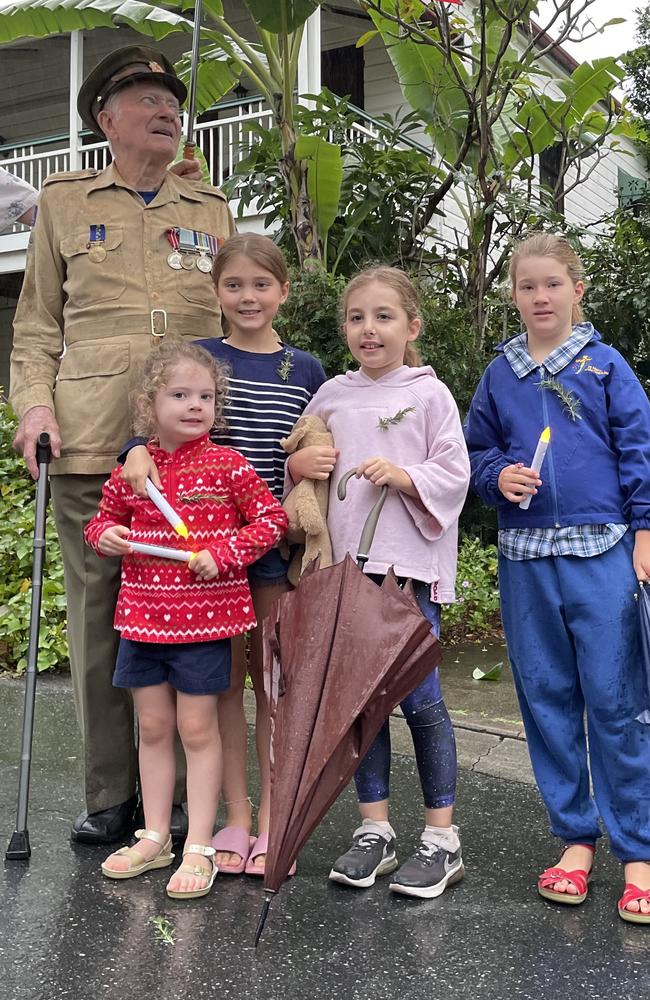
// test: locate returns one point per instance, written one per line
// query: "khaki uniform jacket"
(85, 318)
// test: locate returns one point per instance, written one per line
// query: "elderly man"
(119, 259)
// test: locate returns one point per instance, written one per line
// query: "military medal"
(204, 263)
(175, 258)
(95, 245)
(187, 262)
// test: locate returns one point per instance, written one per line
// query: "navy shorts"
(269, 568)
(189, 667)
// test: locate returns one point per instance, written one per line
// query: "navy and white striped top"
(266, 395)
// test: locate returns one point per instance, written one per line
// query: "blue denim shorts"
(189, 667)
(269, 568)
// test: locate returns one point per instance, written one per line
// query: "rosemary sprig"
(164, 929)
(386, 422)
(570, 402)
(285, 367)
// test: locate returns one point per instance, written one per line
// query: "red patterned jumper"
(227, 508)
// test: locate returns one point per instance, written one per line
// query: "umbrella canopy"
(340, 653)
(644, 622)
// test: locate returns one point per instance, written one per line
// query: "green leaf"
(39, 18)
(281, 15)
(491, 674)
(324, 177)
(217, 74)
(368, 37)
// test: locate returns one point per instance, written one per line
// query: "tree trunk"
(303, 224)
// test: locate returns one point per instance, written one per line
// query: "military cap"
(116, 70)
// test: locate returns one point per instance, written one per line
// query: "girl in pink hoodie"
(398, 425)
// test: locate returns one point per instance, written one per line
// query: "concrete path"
(66, 932)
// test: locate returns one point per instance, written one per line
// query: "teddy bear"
(306, 504)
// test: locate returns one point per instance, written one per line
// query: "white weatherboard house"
(40, 132)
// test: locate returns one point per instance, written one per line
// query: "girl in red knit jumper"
(176, 618)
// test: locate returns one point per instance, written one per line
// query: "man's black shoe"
(178, 826)
(106, 826)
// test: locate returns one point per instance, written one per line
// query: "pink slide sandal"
(235, 840)
(260, 847)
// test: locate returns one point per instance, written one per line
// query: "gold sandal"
(138, 864)
(197, 870)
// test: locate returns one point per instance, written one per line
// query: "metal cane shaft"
(194, 68)
(32, 650)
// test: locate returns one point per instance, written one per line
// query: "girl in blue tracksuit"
(569, 564)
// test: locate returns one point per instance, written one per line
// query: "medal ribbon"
(97, 234)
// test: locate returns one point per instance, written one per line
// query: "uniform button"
(155, 297)
(557, 525)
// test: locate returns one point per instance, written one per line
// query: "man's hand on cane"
(35, 422)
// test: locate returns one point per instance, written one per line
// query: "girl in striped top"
(270, 384)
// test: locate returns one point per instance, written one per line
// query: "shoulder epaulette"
(202, 188)
(70, 175)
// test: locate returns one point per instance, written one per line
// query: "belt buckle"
(158, 322)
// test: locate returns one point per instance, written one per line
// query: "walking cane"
(19, 849)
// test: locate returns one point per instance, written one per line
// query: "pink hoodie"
(419, 538)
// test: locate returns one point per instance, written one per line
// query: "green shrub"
(17, 493)
(475, 614)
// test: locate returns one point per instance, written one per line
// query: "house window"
(631, 191)
(550, 166)
(342, 73)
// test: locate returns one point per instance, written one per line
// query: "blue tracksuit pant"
(572, 630)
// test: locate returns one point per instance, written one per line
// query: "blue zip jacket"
(597, 468)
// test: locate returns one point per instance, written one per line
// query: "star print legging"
(431, 731)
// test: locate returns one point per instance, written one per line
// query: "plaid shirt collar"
(516, 352)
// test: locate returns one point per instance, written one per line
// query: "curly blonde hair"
(400, 283)
(154, 375)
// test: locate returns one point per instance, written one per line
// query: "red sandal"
(632, 894)
(579, 877)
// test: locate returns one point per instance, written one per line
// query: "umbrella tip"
(270, 893)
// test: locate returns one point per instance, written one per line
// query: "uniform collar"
(516, 352)
(172, 189)
(185, 453)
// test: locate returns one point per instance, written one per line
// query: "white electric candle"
(537, 462)
(161, 551)
(167, 510)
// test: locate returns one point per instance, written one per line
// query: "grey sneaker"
(370, 855)
(428, 873)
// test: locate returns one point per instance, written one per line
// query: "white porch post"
(76, 79)
(309, 81)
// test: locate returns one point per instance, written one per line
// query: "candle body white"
(166, 509)
(536, 464)
(161, 551)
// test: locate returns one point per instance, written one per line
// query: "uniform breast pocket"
(196, 286)
(95, 272)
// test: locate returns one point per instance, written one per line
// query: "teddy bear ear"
(297, 434)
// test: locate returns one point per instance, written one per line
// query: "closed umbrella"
(340, 653)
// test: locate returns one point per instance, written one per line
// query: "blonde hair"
(260, 249)
(400, 283)
(550, 245)
(155, 373)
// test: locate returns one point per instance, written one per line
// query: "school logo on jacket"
(582, 365)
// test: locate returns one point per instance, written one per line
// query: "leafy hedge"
(17, 494)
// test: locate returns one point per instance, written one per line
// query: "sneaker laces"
(428, 853)
(365, 842)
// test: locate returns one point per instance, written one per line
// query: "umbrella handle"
(370, 526)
